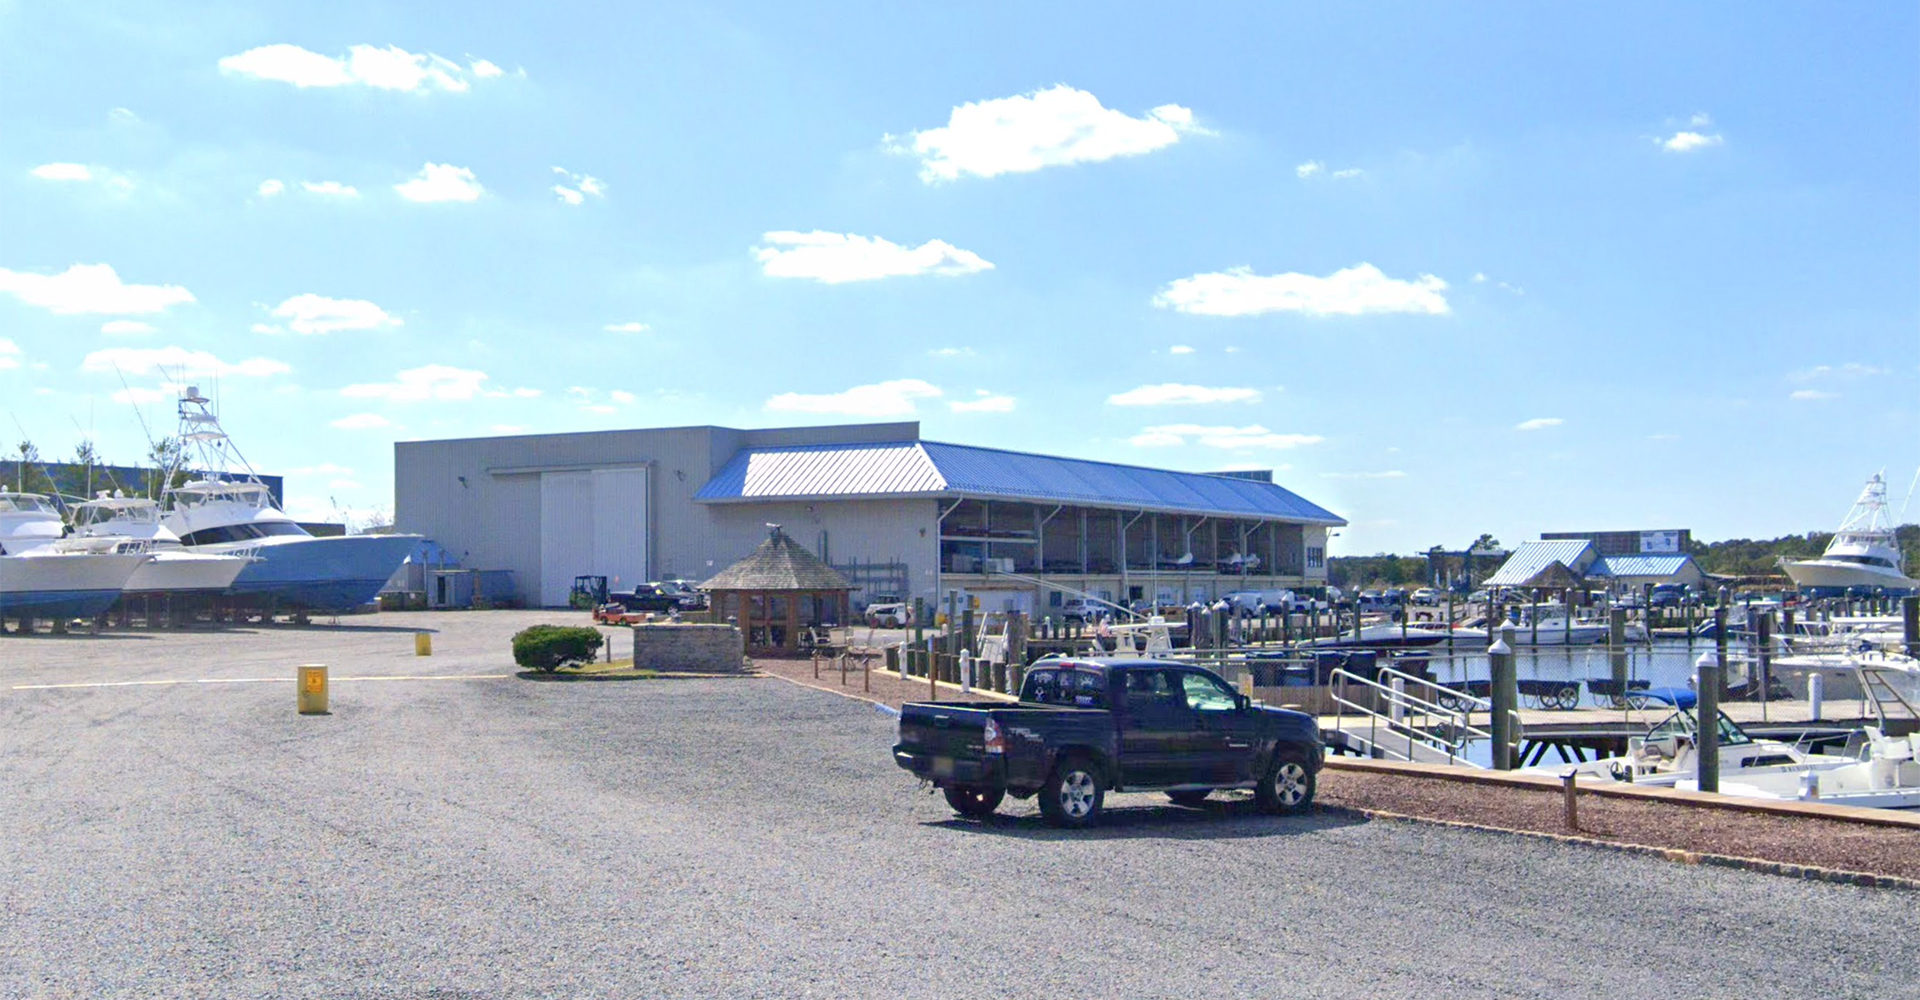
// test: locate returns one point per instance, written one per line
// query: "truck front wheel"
(976, 803)
(1287, 789)
(1073, 794)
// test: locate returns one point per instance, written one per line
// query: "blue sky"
(1446, 268)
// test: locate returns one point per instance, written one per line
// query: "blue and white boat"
(1862, 559)
(43, 574)
(228, 512)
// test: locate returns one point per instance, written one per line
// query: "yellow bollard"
(423, 644)
(313, 689)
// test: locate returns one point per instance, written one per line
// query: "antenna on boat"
(1910, 487)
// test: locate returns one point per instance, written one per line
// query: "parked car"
(1080, 609)
(1083, 728)
(897, 614)
(680, 590)
(1667, 595)
(1426, 595)
(645, 597)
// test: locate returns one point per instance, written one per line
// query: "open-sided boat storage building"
(899, 516)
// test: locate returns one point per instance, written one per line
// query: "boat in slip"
(228, 512)
(173, 569)
(1862, 559)
(46, 575)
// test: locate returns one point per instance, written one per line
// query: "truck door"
(1224, 740)
(1156, 727)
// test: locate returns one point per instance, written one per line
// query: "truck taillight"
(995, 742)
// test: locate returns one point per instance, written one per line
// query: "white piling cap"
(1707, 659)
(1499, 648)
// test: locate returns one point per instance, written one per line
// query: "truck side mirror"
(1243, 701)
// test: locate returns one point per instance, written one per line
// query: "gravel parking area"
(494, 837)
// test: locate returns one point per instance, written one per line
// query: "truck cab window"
(1204, 694)
(1089, 689)
(1040, 686)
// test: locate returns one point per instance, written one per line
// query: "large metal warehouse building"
(901, 517)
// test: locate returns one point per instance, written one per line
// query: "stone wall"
(706, 649)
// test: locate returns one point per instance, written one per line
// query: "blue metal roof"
(931, 468)
(1532, 557)
(1641, 565)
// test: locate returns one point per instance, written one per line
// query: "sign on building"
(1660, 541)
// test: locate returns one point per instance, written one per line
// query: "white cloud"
(1046, 128)
(1354, 291)
(441, 182)
(584, 187)
(89, 288)
(331, 189)
(1700, 119)
(270, 187)
(1308, 169)
(391, 68)
(1479, 277)
(952, 352)
(835, 258)
(435, 382)
(1538, 423)
(622, 396)
(1850, 370)
(626, 328)
(362, 422)
(1179, 349)
(1811, 395)
(986, 402)
(63, 172)
(125, 328)
(312, 314)
(1686, 142)
(140, 396)
(1389, 474)
(884, 399)
(176, 361)
(525, 393)
(1232, 438)
(9, 352)
(1174, 393)
(1347, 174)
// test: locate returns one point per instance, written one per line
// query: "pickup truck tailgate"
(944, 740)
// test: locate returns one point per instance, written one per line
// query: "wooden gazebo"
(778, 592)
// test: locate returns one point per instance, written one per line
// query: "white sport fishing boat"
(44, 574)
(231, 511)
(1554, 629)
(1862, 558)
(173, 569)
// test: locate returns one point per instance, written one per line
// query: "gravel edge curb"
(1811, 873)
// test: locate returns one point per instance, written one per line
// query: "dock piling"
(1707, 751)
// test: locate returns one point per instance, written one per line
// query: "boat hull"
(1828, 578)
(185, 573)
(63, 586)
(317, 574)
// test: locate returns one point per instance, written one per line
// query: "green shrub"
(550, 647)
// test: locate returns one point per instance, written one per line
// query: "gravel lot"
(500, 837)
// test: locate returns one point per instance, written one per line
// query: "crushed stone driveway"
(496, 837)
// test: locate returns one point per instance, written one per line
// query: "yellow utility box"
(313, 689)
(423, 644)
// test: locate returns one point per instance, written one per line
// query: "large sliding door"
(592, 523)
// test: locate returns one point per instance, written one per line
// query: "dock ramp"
(1397, 716)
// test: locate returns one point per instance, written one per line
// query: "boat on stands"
(231, 512)
(44, 574)
(1863, 558)
(1388, 635)
(173, 569)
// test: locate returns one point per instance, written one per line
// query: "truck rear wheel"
(1073, 794)
(976, 803)
(1287, 788)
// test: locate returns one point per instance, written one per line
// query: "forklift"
(589, 592)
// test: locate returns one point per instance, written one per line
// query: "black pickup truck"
(1083, 728)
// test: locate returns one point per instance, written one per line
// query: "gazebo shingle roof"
(779, 564)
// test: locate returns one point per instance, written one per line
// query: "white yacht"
(44, 574)
(232, 513)
(1863, 557)
(173, 569)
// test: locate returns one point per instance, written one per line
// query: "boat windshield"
(1683, 724)
(240, 532)
(245, 494)
(88, 514)
(26, 502)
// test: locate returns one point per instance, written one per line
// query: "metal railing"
(1403, 717)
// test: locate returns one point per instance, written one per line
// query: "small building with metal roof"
(1554, 564)
(900, 517)
(1634, 571)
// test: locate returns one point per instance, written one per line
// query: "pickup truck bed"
(1086, 727)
